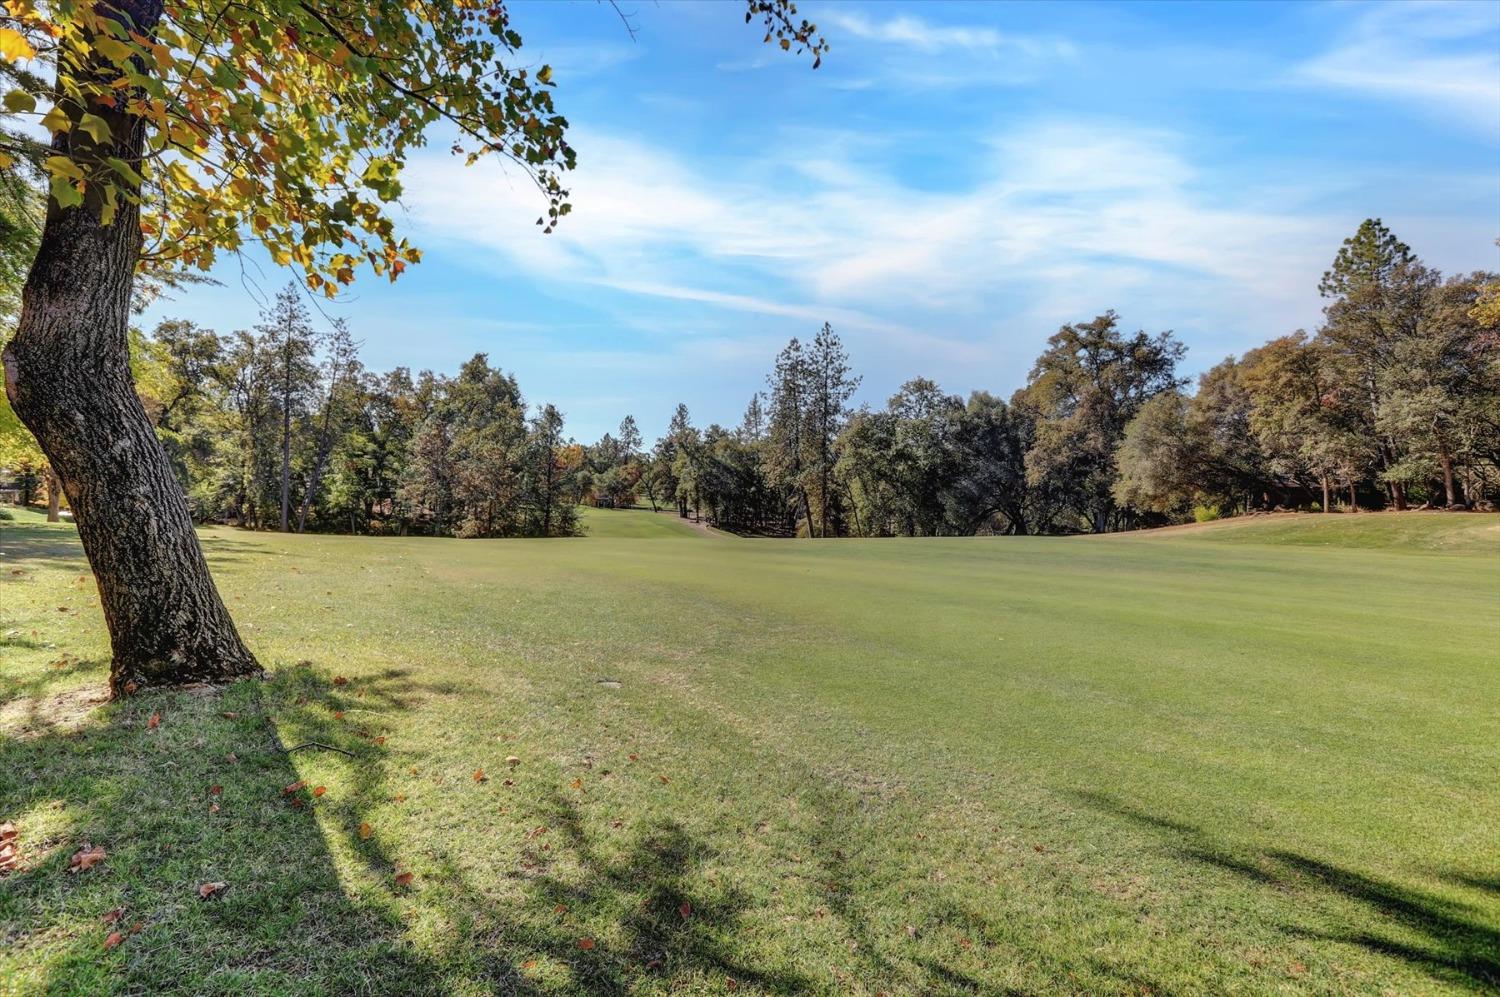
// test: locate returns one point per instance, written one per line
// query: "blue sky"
(953, 184)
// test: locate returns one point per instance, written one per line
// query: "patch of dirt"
(29, 717)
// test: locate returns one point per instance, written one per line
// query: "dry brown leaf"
(586, 944)
(365, 830)
(213, 808)
(686, 910)
(380, 739)
(319, 790)
(635, 758)
(114, 939)
(131, 687)
(111, 916)
(208, 890)
(479, 775)
(512, 760)
(154, 721)
(215, 790)
(294, 787)
(340, 680)
(576, 783)
(338, 714)
(664, 779)
(230, 715)
(403, 879)
(87, 857)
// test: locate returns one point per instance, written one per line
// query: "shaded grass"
(1102, 765)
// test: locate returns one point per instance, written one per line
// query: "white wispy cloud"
(911, 51)
(1443, 57)
(1067, 215)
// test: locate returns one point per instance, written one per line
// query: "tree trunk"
(286, 443)
(1325, 493)
(67, 375)
(54, 496)
(1353, 499)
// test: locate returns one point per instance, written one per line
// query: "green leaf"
(123, 168)
(65, 193)
(19, 102)
(96, 127)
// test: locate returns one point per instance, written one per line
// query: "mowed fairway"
(1255, 757)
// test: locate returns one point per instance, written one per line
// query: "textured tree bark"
(67, 375)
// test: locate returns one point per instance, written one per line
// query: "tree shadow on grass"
(204, 794)
(1447, 940)
(193, 797)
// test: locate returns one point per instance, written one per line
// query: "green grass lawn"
(1256, 757)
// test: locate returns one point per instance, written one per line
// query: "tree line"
(1393, 403)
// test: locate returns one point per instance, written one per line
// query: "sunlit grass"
(1210, 760)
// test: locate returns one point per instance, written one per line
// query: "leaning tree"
(182, 131)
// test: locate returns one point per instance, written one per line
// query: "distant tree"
(830, 385)
(990, 467)
(753, 424)
(787, 440)
(1375, 287)
(1085, 388)
(630, 438)
(1162, 458)
(545, 495)
(291, 344)
(340, 376)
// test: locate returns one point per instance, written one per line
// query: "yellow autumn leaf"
(14, 46)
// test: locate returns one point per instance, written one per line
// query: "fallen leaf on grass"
(213, 808)
(635, 758)
(576, 783)
(230, 715)
(479, 775)
(403, 879)
(131, 687)
(560, 909)
(365, 830)
(87, 857)
(320, 790)
(114, 939)
(154, 721)
(664, 779)
(380, 739)
(208, 890)
(512, 761)
(340, 680)
(586, 944)
(111, 916)
(215, 790)
(529, 965)
(294, 787)
(400, 797)
(686, 910)
(338, 714)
